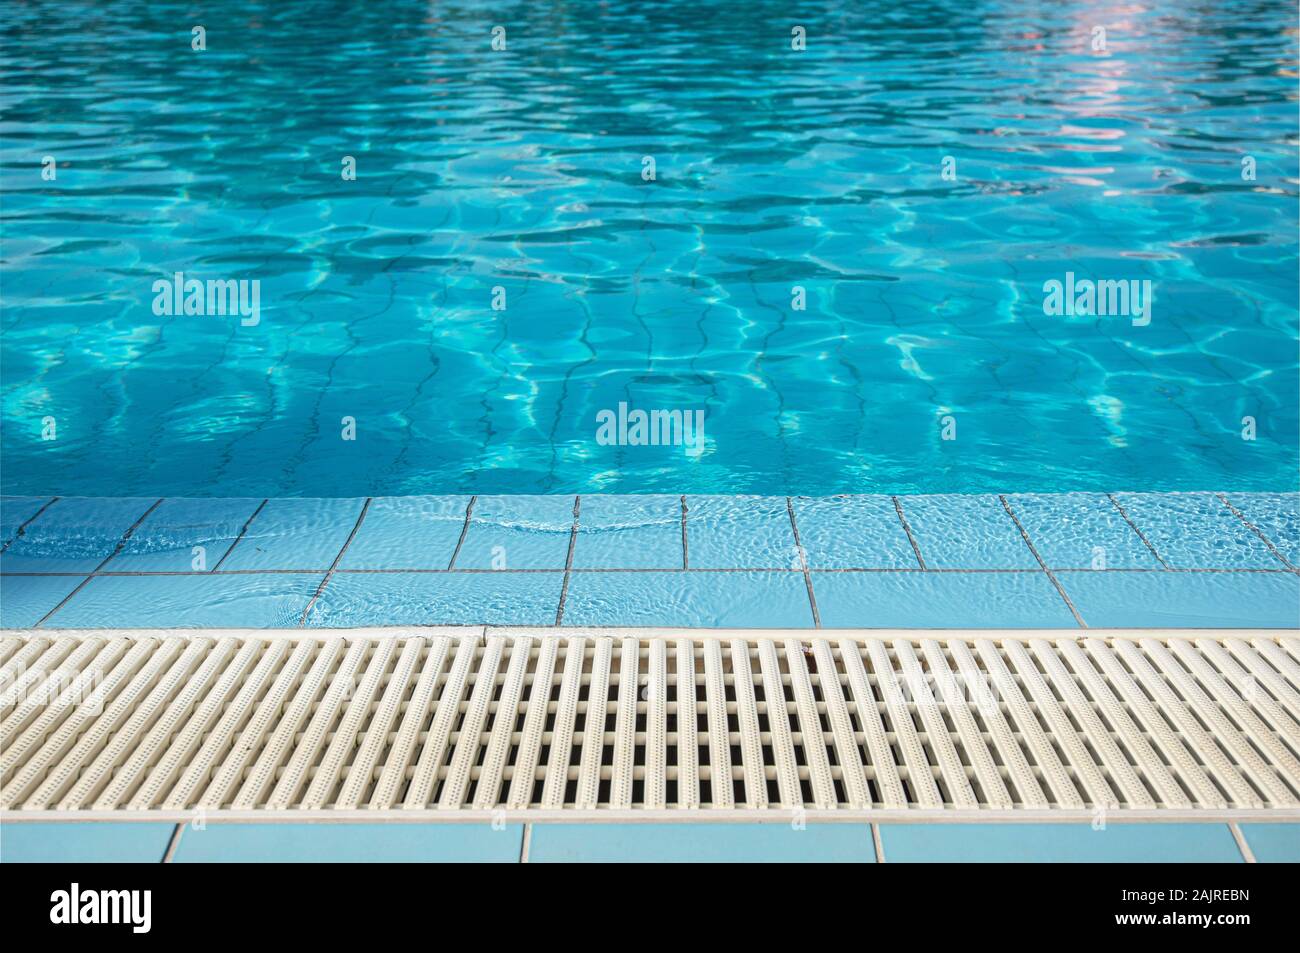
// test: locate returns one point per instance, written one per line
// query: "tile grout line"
(173, 842)
(28, 522)
(525, 843)
(686, 558)
(568, 561)
(878, 843)
(1059, 588)
(1258, 532)
(803, 561)
(464, 530)
(247, 523)
(898, 508)
(116, 549)
(328, 575)
(1141, 535)
(1247, 854)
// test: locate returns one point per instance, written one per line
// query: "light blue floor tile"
(15, 511)
(1278, 517)
(853, 532)
(701, 843)
(24, 600)
(740, 532)
(95, 842)
(296, 534)
(74, 535)
(407, 532)
(954, 531)
(253, 600)
(1081, 531)
(629, 532)
(350, 843)
(1014, 600)
(518, 532)
(165, 541)
(1196, 531)
(721, 599)
(439, 598)
(1273, 843)
(1058, 843)
(1192, 599)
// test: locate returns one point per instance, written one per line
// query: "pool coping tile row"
(606, 579)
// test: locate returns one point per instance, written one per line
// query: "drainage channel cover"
(127, 724)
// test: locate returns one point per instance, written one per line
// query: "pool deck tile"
(253, 600)
(853, 532)
(629, 532)
(1081, 531)
(1273, 843)
(518, 532)
(405, 532)
(1058, 843)
(350, 843)
(739, 532)
(438, 598)
(1185, 599)
(1197, 531)
(164, 541)
(928, 600)
(721, 599)
(25, 600)
(1277, 516)
(84, 843)
(296, 534)
(966, 532)
(75, 534)
(15, 511)
(701, 843)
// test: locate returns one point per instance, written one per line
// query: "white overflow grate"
(599, 725)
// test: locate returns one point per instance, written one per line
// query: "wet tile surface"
(1058, 843)
(853, 532)
(940, 600)
(966, 532)
(740, 532)
(410, 598)
(701, 843)
(257, 600)
(413, 532)
(295, 534)
(629, 532)
(84, 843)
(166, 540)
(518, 532)
(1196, 531)
(1191, 599)
(73, 535)
(350, 843)
(1081, 531)
(716, 599)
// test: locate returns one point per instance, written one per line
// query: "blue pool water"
(522, 170)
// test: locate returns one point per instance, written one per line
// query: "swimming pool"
(501, 270)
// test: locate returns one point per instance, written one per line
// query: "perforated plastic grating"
(606, 726)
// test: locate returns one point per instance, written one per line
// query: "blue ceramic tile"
(701, 843)
(1278, 517)
(1185, 599)
(629, 532)
(740, 532)
(853, 532)
(1196, 531)
(95, 842)
(343, 843)
(927, 600)
(165, 540)
(1081, 531)
(439, 598)
(407, 532)
(711, 599)
(1273, 843)
(1058, 843)
(252, 600)
(24, 600)
(74, 535)
(518, 532)
(295, 534)
(966, 532)
(15, 511)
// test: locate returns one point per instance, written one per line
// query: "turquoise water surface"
(521, 169)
